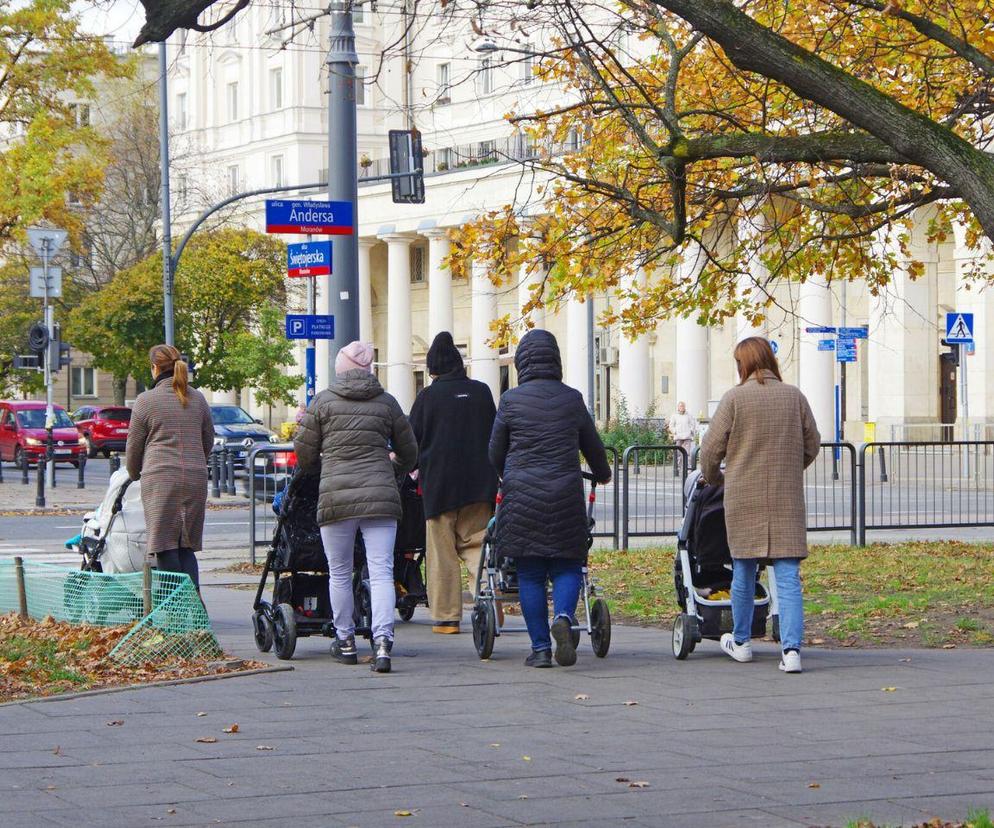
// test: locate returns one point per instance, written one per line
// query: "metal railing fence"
(830, 490)
(607, 518)
(652, 497)
(263, 479)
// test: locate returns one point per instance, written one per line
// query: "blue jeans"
(787, 573)
(533, 575)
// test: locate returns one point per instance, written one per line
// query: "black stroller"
(301, 604)
(702, 573)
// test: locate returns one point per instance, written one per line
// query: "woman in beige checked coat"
(169, 440)
(765, 433)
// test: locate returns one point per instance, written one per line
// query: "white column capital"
(367, 242)
(397, 238)
(434, 233)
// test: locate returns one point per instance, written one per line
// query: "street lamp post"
(167, 241)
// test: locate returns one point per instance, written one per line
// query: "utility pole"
(343, 300)
(46, 245)
(167, 239)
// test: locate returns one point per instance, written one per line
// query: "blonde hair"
(753, 356)
(167, 358)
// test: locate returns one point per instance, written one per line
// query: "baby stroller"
(497, 583)
(301, 604)
(702, 573)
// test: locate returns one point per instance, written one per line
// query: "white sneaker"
(791, 662)
(740, 652)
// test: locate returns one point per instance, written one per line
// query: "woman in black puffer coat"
(540, 430)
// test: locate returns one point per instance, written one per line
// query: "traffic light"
(58, 351)
(38, 339)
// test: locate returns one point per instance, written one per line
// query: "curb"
(106, 691)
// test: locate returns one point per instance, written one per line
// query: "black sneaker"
(562, 632)
(343, 650)
(381, 655)
(539, 658)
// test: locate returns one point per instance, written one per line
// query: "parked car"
(23, 437)
(238, 432)
(102, 428)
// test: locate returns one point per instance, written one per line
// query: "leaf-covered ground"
(42, 658)
(920, 594)
(975, 819)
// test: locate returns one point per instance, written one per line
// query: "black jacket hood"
(537, 357)
(356, 384)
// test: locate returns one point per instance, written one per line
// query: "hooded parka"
(541, 428)
(348, 432)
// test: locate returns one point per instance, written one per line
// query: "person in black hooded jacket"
(542, 426)
(452, 419)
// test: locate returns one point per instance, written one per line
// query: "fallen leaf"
(817, 641)
(813, 785)
(232, 729)
(115, 723)
(207, 740)
(58, 750)
(631, 703)
(905, 660)
(264, 747)
(523, 796)
(171, 811)
(581, 697)
(201, 715)
(889, 689)
(638, 784)
(463, 804)
(402, 813)
(495, 744)
(911, 625)
(527, 758)
(622, 779)
(948, 646)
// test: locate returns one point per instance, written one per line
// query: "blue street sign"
(308, 259)
(826, 344)
(845, 350)
(310, 368)
(775, 346)
(820, 330)
(319, 218)
(854, 333)
(959, 328)
(304, 326)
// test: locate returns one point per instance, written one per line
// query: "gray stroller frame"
(704, 617)
(497, 584)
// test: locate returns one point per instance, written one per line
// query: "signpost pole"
(342, 181)
(167, 241)
(49, 390)
(310, 381)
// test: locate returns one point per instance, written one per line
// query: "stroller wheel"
(600, 627)
(406, 612)
(484, 628)
(284, 632)
(684, 636)
(263, 629)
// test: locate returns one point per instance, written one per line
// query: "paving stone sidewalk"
(636, 739)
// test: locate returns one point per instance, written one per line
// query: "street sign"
(309, 326)
(826, 344)
(854, 333)
(775, 346)
(845, 350)
(959, 328)
(310, 378)
(820, 330)
(308, 259)
(319, 218)
(39, 236)
(54, 282)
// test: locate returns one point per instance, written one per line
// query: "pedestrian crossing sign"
(959, 328)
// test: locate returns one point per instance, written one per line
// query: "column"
(530, 276)
(817, 368)
(691, 358)
(634, 377)
(483, 356)
(576, 352)
(400, 372)
(978, 366)
(365, 290)
(439, 283)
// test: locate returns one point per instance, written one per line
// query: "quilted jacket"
(348, 432)
(541, 428)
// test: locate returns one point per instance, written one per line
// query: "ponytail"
(181, 381)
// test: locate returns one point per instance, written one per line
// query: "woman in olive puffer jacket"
(348, 432)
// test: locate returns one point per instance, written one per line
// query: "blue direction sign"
(845, 350)
(959, 328)
(307, 326)
(820, 330)
(826, 344)
(308, 259)
(320, 218)
(854, 333)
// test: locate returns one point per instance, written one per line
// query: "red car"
(23, 437)
(102, 428)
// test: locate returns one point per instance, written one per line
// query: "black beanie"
(443, 355)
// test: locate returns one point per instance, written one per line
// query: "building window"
(232, 96)
(444, 83)
(487, 151)
(80, 114)
(358, 13)
(182, 190)
(486, 76)
(417, 264)
(444, 159)
(419, 382)
(233, 180)
(277, 169)
(84, 381)
(527, 67)
(276, 87)
(181, 110)
(360, 86)
(323, 176)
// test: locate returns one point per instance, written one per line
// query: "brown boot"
(446, 627)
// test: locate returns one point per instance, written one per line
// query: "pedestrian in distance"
(765, 433)
(541, 428)
(357, 436)
(170, 438)
(452, 419)
(683, 428)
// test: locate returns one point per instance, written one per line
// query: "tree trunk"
(755, 48)
(120, 390)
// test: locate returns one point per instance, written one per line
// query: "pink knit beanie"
(355, 356)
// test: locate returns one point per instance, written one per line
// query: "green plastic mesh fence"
(177, 627)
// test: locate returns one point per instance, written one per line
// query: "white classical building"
(254, 115)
